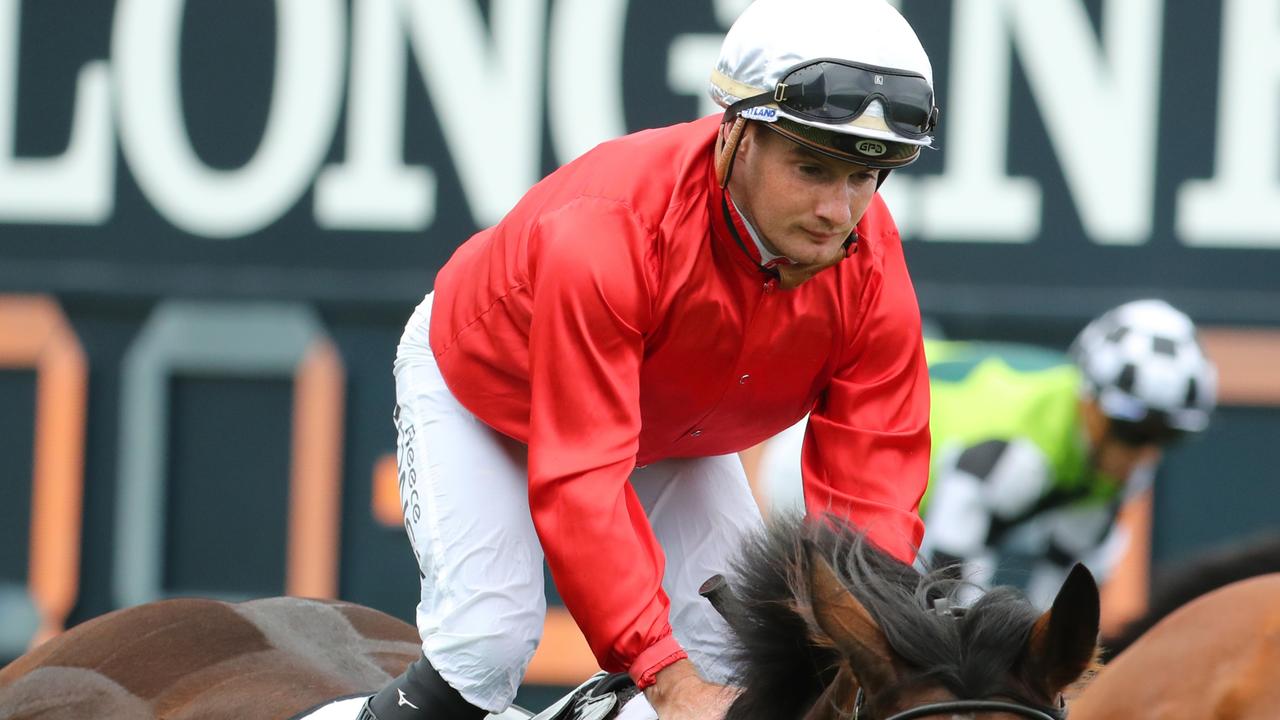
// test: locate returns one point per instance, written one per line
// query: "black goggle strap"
(736, 109)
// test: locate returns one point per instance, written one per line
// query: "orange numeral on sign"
(34, 334)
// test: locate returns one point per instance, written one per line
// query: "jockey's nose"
(834, 204)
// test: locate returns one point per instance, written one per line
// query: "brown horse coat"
(821, 613)
(189, 658)
(1217, 658)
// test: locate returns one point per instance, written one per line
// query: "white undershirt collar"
(766, 257)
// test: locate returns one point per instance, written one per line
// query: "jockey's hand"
(681, 694)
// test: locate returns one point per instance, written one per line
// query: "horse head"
(831, 628)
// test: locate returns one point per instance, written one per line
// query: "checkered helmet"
(1142, 363)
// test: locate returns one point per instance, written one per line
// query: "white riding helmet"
(1145, 368)
(848, 78)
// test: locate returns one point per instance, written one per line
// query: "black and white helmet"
(1145, 368)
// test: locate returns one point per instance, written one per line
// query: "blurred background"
(216, 216)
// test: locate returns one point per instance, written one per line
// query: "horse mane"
(1173, 588)
(784, 661)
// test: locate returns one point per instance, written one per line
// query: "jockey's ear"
(849, 626)
(1064, 641)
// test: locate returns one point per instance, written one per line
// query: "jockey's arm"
(866, 449)
(586, 343)
(679, 693)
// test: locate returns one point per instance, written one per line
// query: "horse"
(828, 626)
(189, 658)
(1215, 657)
(1174, 587)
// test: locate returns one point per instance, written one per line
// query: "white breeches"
(465, 500)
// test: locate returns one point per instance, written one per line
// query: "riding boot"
(419, 694)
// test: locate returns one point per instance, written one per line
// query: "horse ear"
(1064, 641)
(855, 634)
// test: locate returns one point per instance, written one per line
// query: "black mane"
(785, 662)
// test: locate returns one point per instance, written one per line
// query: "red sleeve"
(866, 449)
(591, 305)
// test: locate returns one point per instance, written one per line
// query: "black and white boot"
(419, 694)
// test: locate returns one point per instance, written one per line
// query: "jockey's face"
(1111, 457)
(1118, 460)
(803, 204)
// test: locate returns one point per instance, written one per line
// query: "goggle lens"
(833, 91)
(1143, 434)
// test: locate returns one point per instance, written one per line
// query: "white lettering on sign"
(689, 63)
(300, 122)
(1099, 105)
(1240, 205)
(1086, 94)
(486, 92)
(1095, 91)
(76, 187)
(374, 188)
(691, 57)
(585, 69)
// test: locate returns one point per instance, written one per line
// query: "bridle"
(955, 706)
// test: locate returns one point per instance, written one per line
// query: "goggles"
(1148, 432)
(836, 91)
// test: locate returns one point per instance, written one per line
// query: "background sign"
(218, 216)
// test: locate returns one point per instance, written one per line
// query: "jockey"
(578, 383)
(1034, 452)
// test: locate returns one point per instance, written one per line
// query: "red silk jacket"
(613, 319)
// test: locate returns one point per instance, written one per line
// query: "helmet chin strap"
(727, 149)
